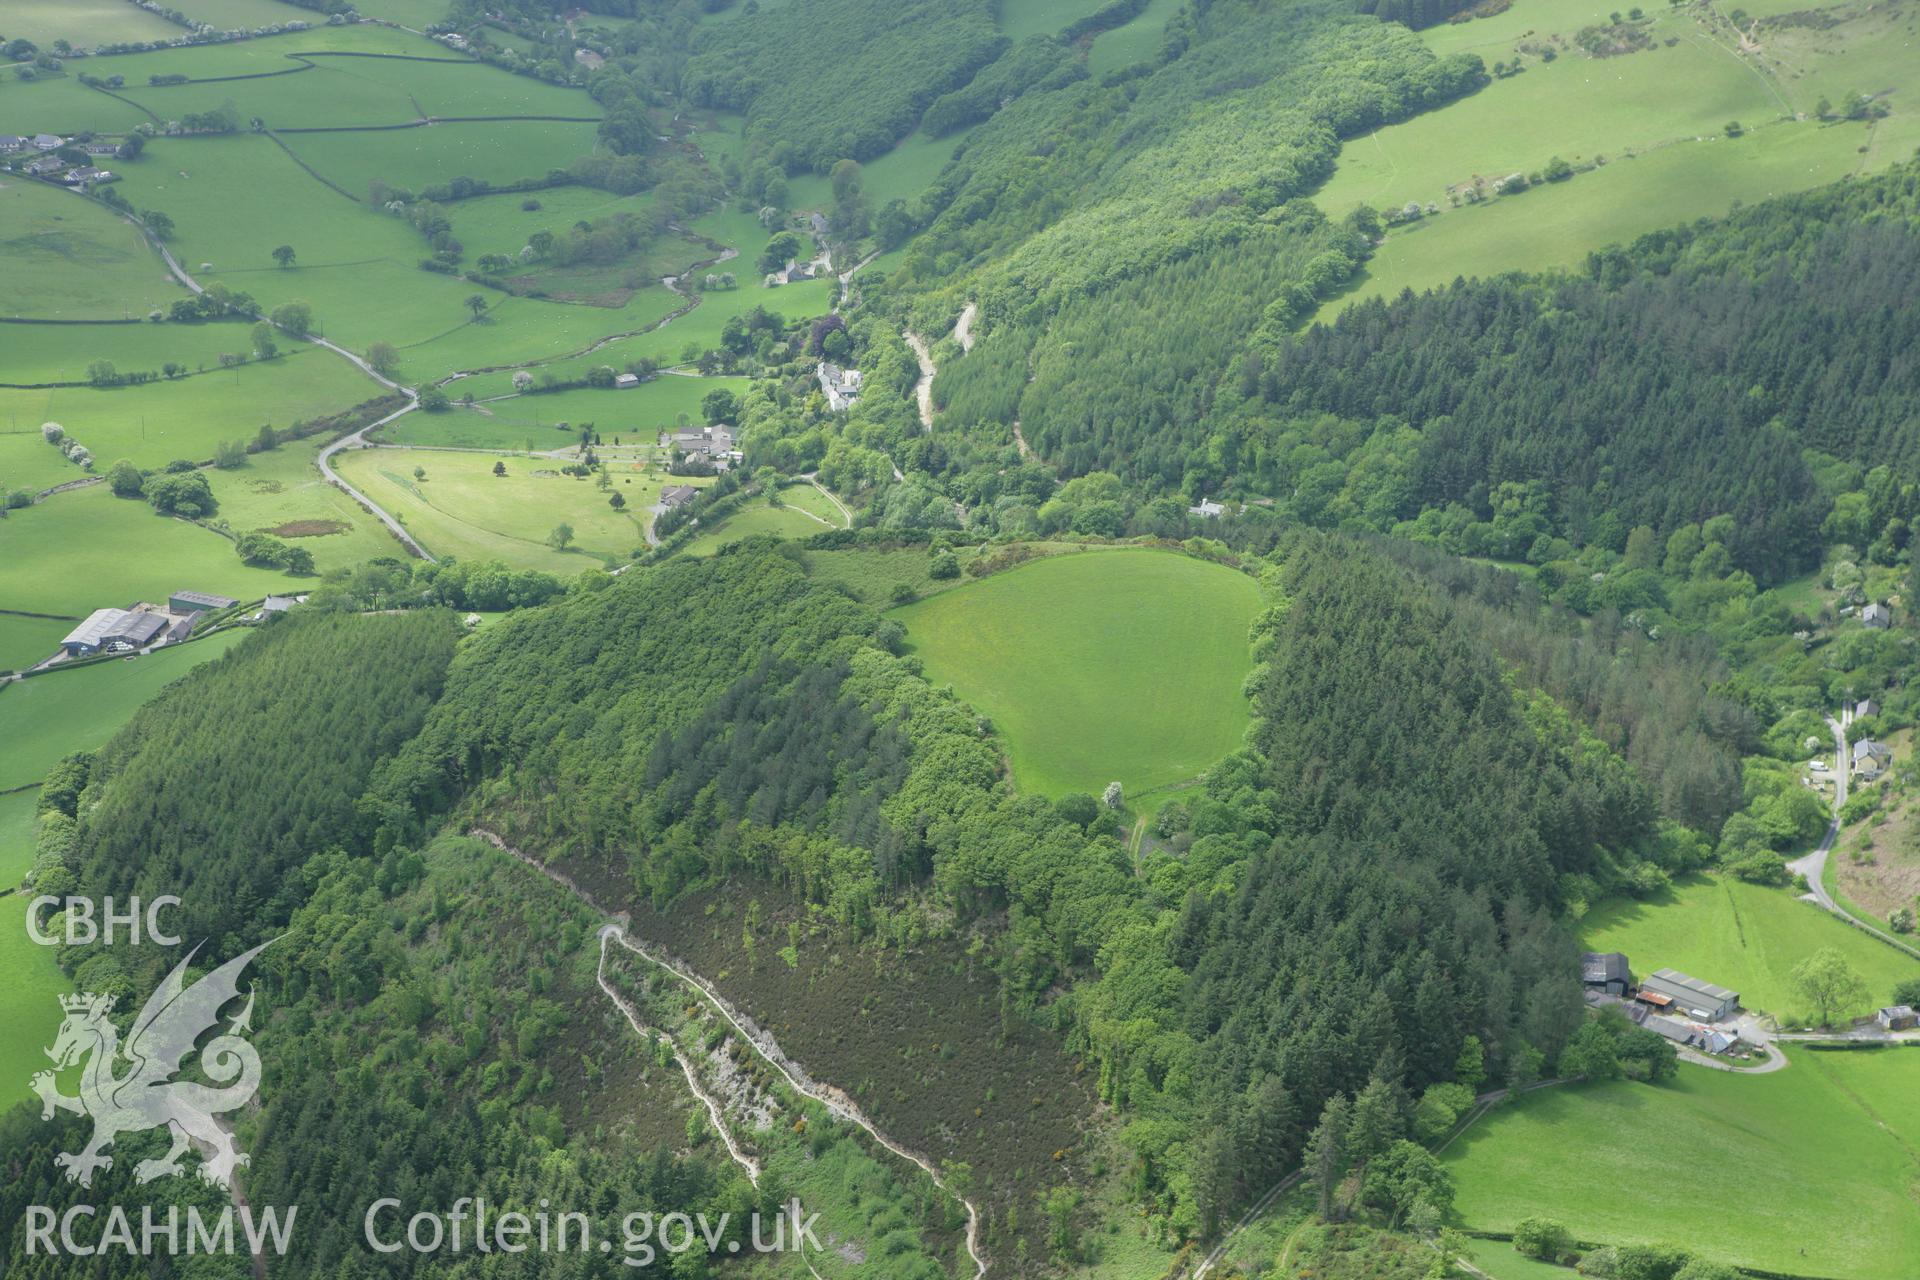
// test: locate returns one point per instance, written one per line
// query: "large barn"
(109, 629)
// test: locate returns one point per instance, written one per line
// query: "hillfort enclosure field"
(1073, 639)
(1069, 657)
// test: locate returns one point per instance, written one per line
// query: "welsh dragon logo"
(147, 1096)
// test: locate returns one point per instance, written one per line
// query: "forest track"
(838, 1103)
(923, 389)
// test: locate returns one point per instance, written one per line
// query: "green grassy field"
(463, 510)
(1557, 225)
(1094, 667)
(1807, 1170)
(1024, 18)
(243, 15)
(807, 498)
(415, 158)
(51, 716)
(870, 576)
(1575, 107)
(65, 258)
(61, 104)
(1136, 41)
(1655, 116)
(43, 353)
(155, 423)
(235, 199)
(281, 492)
(1741, 936)
(25, 641)
(88, 550)
(82, 23)
(637, 414)
(757, 517)
(1501, 1261)
(29, 1009)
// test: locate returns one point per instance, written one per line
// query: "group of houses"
(1678, 1006)
(712, 445)
(841, 385)
(43, 163)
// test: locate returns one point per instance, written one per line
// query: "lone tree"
(617, 501)
(561, 537)
(383, 357)
(477, 303)
(1829, 983)
(500, 468)
(284, 255)
(1112, 796)
(157, 222)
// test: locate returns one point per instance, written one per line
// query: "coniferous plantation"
(769, 639)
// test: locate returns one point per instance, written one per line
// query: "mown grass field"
(1810, 1170)
(461, 509)
(29, 1008)
(25, 641)
(1501, 1261)
(82, 23)
(63, 257)
(155, 423)
(1108, 665)
(51, 716)
(756, 517)
(1745, 937)
(88, 550)
(412, 159)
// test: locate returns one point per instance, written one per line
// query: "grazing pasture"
(462, 509)
(86, 550)
(1100, 666)
(82, 23)
(44, 353)
(1746, 937)
(1132, 42)
(755, 518)
(1807, 1170)
(155, 423)
(1558, 224)
(870, 576)
(61, 104)
(24, 641)
(1043, 17)
(63, 257)
(243, 15)
(54, 715)
(29, 1009)
(281, 492)
(413, 159)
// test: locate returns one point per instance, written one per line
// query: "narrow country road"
(1814, 865)
(358, 439)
